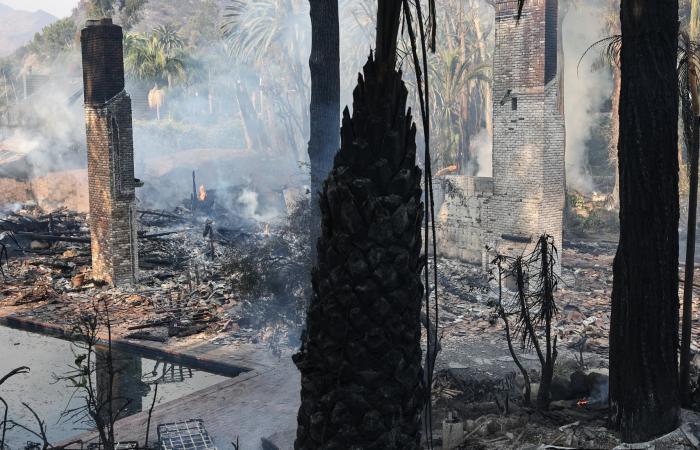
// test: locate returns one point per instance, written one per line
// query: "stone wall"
(461, 223)
(526, 197)
(110, 155)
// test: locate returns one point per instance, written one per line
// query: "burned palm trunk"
(690, 105)
(644, 394)
(360, 360)
(324, 111)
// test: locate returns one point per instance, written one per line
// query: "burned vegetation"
(428, 269)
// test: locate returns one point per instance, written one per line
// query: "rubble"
(251, 289)
(476, 379)
(188, 286)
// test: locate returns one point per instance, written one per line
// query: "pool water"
(49, 357)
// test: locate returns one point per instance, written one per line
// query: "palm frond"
(610, 53)
(254, 28)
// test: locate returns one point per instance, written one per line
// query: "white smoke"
(481, 147)
(51, 132)
(249, 207)
(585, 90)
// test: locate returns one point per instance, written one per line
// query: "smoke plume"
(585, 90)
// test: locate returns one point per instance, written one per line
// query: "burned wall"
(110, 155)
(527, 196)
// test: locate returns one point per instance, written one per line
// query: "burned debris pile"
(200, 272)
(478, 390)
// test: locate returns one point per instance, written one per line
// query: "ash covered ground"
(212, 277)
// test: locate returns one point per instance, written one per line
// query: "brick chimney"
(110, 155)
(506, 213)
(528, 125)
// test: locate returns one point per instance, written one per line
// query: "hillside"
(18, 27)
(197, 21)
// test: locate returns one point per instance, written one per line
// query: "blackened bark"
(388, 15)
(644, 395)
(548, 309)
(687, 330)
(360, 360)
(324, 111)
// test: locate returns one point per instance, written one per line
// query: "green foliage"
(258, 29)
(575, 199)
(158, 56)
(203, 27)
(451, 73)
(56, 38)
(129, 11)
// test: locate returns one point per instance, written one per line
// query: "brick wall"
(110, 155)
(526, 198)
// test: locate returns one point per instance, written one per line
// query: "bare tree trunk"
(255, 139)
(324, 112)
(388, 15)
(644, 393)
(693, 152)
(686, 331)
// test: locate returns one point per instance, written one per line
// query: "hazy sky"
(59, 8)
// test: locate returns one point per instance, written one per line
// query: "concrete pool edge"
(204, 356)
(254, 405)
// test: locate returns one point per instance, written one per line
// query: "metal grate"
(189, 435)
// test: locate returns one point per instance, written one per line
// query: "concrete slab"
(254, 405)
(260, 401)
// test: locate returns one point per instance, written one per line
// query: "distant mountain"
(18, 27)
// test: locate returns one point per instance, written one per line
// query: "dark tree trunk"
(693, 152)
(687, 330)
(388, 15)
(644, 395)
(360, 360)
(324, 138)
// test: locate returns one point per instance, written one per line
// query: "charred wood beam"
(145, 212)
(157, 235)
(82, 240)
(52, 238)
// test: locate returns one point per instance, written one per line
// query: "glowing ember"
(582, 403)
(202, 193)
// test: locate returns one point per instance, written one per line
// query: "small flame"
(202, 193)
(266, 230)
(582, 403)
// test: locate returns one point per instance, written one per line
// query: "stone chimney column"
(110, 155)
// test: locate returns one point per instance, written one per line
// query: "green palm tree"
(258, 29)
(452, 73)
(169, 39)
(274, 33)
(148, 58)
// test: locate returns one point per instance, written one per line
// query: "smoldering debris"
(197, 278)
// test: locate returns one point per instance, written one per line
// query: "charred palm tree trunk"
(324, 117)
(692, 130)
(644, 394)
(360, 360)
